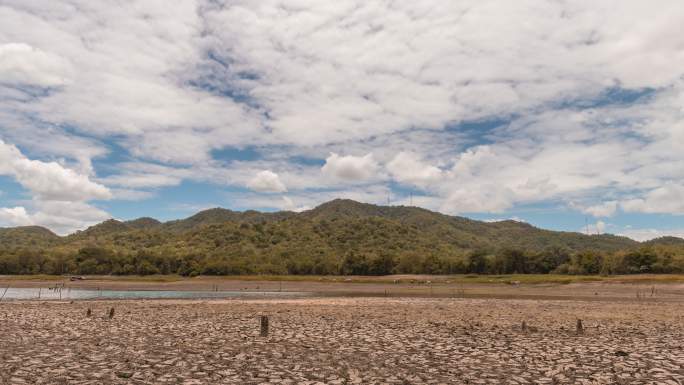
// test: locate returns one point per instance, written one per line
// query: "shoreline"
(612, 290)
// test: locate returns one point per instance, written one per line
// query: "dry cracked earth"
(342, 341)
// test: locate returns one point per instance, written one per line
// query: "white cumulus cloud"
(642, 235)
(16, 216)
(59, 195)
(352, 168)
(407, 167)
(266, 181)
(22, 64)
(606, 209)
(667, 199)
(289, 205)
(48, 180)
(594, 228)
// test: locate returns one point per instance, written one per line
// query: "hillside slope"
(467, 233)
(457, 232)
(220, 215)
(27, 236)
(337, 237)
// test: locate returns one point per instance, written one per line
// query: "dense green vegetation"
(339, 237)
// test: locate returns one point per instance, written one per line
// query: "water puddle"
(71, 294)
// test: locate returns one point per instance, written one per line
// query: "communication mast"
(586, 224)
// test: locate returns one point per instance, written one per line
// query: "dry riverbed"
(342, 341)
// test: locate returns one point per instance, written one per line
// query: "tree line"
(102, 260)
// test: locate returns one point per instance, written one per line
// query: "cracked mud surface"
(342, 341)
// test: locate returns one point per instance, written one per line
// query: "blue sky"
(557, 114)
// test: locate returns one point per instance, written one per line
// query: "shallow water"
(69, 294)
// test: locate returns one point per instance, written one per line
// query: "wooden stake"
(111, 313)
(580, 328)
(89, 312)
(264, 326)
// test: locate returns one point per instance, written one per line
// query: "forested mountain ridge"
(468, 233)
(27, 236)
(337, 237)
(220, 215)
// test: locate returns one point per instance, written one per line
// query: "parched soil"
(342, 341)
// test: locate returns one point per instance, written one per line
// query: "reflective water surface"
(68, 294)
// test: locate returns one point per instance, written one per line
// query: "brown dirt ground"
(343, 341)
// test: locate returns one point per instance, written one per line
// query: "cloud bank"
(59, 195)
(469, 107)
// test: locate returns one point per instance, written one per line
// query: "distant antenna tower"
(586, 224)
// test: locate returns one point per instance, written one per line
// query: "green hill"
(467, 233)
(666, 241)
(143, 223)
(28, 236)
(337, 237)
(219, 215)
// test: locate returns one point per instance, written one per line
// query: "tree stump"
(524, 326)
(111, 313)
(580, 328)
(89, 312)
(264, 326)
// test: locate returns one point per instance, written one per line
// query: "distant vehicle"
(76, 278)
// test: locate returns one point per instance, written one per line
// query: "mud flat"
(342, 341)
(614, 289)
